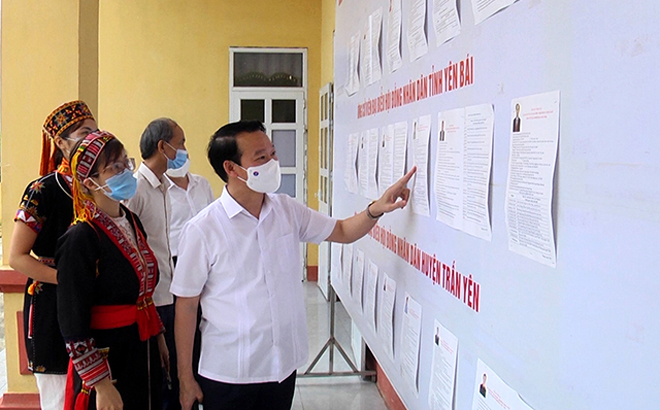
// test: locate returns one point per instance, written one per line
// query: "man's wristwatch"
(370, 215)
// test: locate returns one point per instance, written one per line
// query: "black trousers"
(254, 396)
(170, 389)
(171, 396)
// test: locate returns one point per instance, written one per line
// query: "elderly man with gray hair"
(163, 147)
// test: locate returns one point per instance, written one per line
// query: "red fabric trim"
(113, 316)
(149, 323)
(82, 402)
(31, 321)
(27, 216)
(71, 401)
(145, 266)
(69, 394)
(88, 361)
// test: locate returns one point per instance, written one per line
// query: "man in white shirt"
(188, 193)
(239, 257)
(162, 146)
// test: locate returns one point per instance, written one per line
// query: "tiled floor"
(328, 393)
(331, 393)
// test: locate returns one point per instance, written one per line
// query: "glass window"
(285, 145)
(323, 107)
(252, 69)
(324, 189)
(288, 185)
(284, 111)
(252, 110)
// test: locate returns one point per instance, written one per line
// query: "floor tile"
(331, 393)
(327, 393)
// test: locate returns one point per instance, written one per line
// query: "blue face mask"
(179, 160)
(122, 186)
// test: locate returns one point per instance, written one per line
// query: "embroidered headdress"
(59, 120)
(82, 162)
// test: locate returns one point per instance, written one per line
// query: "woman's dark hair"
(223, 146)
(111, 152)
(58, 155)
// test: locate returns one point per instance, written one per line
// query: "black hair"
(223, 146)
(112, 151)
(157, 130)
(58, 155)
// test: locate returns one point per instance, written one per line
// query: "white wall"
(583, 335)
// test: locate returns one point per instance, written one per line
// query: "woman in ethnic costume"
(106, 277)
(44, 214)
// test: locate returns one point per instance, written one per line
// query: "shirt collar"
(192, 182)
(233, 208)
(150, 176)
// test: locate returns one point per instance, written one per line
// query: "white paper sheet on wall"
(420, 146)
(477, 162)
(530, 180)
(358, 277)
(485, 8)
(375, 24)
(386, 159)
(400, 149)
(347, 267)
(386, 313)
(462, 169)
(372, 185)
(363, 163)
(365, 56)
(353, 84)
(350, 173)
(410, 340)
(448, 186)
(394, 35)
(443, 368)
(370, 290)
(417, 43)
(492, 393)
(446, 23)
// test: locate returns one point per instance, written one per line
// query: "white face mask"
(179, 172)
(264, 178)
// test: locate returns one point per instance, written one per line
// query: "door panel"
(325, 179)
(284, 117)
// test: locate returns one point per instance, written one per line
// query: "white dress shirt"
(186, 203)
(248, 273)
(152, 206)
